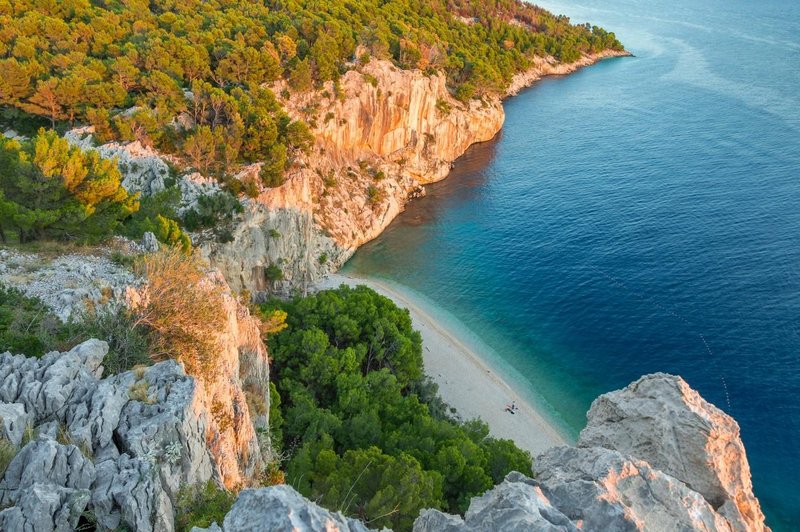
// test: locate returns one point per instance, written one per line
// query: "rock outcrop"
(583, 489)
(121, 448)
(238, 396)
(281, 508)
(69, 285)
(661, 420)
(143, 169)
(601, 489)
(517, 504)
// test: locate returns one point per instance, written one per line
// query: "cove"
(640, 215)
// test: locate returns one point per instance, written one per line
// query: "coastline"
(466, 381)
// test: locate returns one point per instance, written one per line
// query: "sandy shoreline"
(465, 381)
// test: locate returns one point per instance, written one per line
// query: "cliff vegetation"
(130, 68)
(362, 428)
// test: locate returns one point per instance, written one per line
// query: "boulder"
(663, 421)
(282, 508)
(517, 504)
(600, 489)
(149, 243)
(14, 420)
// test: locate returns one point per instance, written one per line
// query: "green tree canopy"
(367, 431)
(49, 188)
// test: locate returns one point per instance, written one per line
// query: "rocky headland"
(381, 133)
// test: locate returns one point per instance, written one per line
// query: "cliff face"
(381, 134)
(122, 447)
(393, 116)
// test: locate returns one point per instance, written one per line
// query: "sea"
(641, 215)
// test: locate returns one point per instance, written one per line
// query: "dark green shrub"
(26, 326)
(201, 506)
(273, 273)
(128, 344)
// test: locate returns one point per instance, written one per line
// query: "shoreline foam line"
(467, 381)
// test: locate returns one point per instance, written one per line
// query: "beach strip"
(465, 380)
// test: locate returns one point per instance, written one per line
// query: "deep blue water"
(641, 215)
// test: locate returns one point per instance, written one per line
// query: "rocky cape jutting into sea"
(378, 140)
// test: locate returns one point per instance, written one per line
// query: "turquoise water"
(641, 215)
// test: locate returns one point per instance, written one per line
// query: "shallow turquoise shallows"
(641, 215)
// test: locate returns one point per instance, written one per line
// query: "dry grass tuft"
(183, 310)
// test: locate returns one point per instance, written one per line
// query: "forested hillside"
(81, 61)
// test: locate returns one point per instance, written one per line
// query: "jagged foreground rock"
(122, 447)
(282, 508)
(605, 487)
(683, 435)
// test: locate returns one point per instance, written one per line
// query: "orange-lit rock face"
(222, 401)
(663, 421)
(404, 115)
(380, 133)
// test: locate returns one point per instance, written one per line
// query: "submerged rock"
(661, 420)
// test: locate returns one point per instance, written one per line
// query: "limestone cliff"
(122, 447)
(381, 133)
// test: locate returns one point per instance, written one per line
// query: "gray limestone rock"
(70, 285)
(45, 385)
(143, 169)
(14, 420)
(149, 243)
(663, 421)
(47, 484)
(517, 504)
(282, 508)
(600, 489)
(145, 429)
